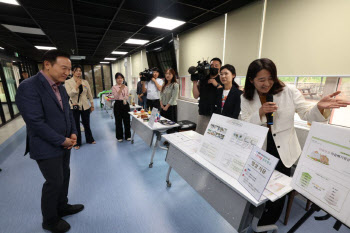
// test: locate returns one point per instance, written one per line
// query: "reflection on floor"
(121, 194)
(10, 128)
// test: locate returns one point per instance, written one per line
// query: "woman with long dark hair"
(81, 103)
(228, 101)
(121, 108)
(262, 85)
(168, 96)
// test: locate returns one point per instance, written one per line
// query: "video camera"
(146, 75)
(201, 72)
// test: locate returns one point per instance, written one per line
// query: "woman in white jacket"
(282, 141)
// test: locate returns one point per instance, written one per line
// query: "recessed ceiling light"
(45, 47)
(136, 41)
(77, 57)
(165, 23)
(13, 2)
(111, 58)
(119, 52)
(104, 62)
(27, 30)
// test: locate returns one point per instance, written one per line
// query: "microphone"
(269, 116)
(192, 70)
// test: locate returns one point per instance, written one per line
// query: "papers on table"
(227, 143)
(278, 186)
(189, 141)
(323, 171)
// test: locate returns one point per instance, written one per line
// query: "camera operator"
(153, 88)
(206, 90)
(142, 96)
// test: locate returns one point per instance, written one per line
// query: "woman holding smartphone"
(81, 102)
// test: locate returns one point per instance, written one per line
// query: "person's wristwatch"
(219, 85)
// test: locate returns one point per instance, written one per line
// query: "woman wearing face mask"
(81, 102)
(282, 142)
(228, 101)
(121, 108)
(168, 96)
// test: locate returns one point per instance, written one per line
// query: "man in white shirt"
(153, 89)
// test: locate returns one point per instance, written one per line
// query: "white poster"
(257, 172)
(227, 143)
(323, 172)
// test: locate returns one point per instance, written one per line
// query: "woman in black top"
(228, 99)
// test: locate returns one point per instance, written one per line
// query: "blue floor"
(120, 193)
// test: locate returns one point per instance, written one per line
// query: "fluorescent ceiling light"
(165, 23)
(136, 41)
(27, 30)
(45, 47)
(104, 62)
(119, 52)
(13, 2)
(77, 57)
(110, 58)
(1, 48)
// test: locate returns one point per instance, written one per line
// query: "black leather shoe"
(59, 226)
(70, 209)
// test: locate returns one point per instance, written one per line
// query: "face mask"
(214, 71)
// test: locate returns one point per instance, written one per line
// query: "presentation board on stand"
(152, 118)
(257, 172)
(227, 143)
(323, 171)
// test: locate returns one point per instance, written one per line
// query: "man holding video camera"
(153, 88)
(206, 89)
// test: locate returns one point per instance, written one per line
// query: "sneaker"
(120, 140)
(128, 139)
(59, 226)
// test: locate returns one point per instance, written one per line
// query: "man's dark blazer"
(47, 124)
(232, 106)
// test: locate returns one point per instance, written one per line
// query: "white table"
(109, 104)
(224, 193)
(147, 133)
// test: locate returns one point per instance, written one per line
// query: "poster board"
(227, 143)
(152, 117)
(257, 172)
(323, 171)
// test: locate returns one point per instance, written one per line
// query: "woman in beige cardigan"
(81, 102)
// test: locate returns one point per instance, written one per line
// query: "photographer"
(82, 103)
(206, 90)
(153, 89)
(142, 96)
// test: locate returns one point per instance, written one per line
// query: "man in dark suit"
(51, 133)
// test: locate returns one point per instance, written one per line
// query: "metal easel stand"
(337, 224)
(314, 208)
